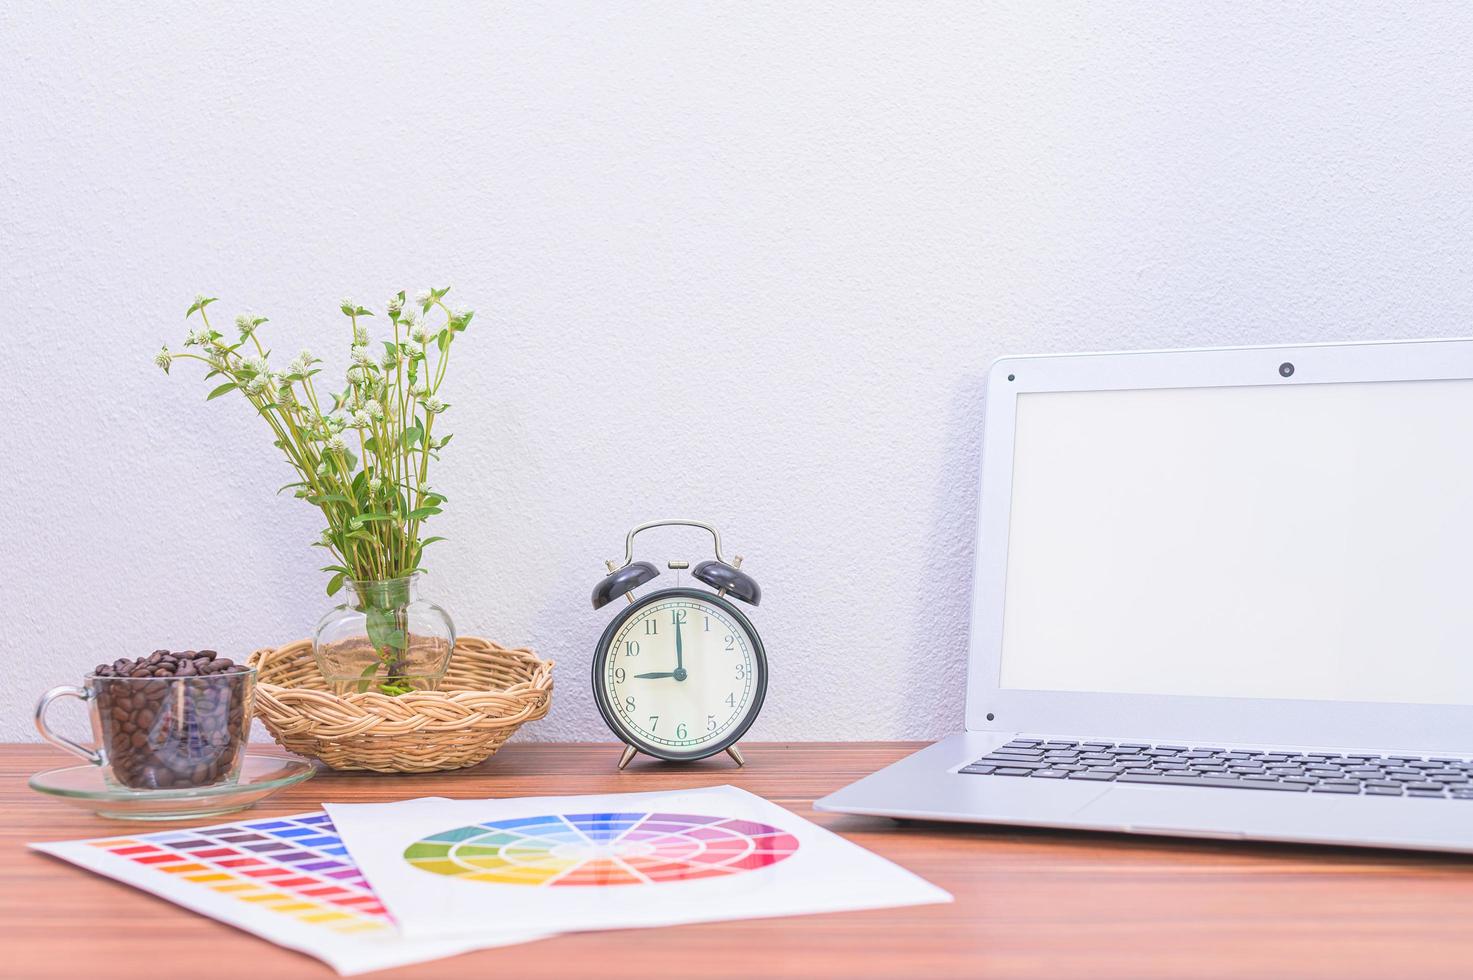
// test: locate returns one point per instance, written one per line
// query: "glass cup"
(162, 732)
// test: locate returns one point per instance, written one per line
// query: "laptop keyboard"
(1352, 774)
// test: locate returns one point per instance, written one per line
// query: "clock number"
(680, 732)
(629, 705)
(677, 617)
(651, 628)
(619, 675)
(741, 672)
(631, 649)
(654, 721)
(730, 700)
(711, 722)
(730, 644)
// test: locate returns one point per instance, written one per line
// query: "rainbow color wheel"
(602, 849)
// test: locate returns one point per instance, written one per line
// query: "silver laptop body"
(1218, 593)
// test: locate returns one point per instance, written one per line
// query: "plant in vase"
(362, 457)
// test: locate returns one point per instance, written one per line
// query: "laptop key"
(1091, 774)
(1050, 774)
(1214, 781)
(977, 770)
(1015, 763)
(1011, 771)
(1383, 790)
(1335, 788)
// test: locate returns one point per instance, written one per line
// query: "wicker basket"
(485, 696)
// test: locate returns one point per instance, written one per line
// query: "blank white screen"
(1306, 541)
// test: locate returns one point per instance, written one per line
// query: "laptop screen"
(1307, 541)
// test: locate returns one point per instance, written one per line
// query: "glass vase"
(384, 637)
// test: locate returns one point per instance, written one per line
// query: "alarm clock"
(680, 673)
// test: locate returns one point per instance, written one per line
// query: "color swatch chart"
(294, 866)
(596, 849)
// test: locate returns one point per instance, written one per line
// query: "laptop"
(1218, 593)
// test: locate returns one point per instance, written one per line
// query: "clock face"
(680, 674)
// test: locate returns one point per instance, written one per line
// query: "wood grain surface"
(1028, 903)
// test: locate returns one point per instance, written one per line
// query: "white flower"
(422, 296)
(197, 337)
(434, 405)
(374, 409)
(163, 359)
(335, 423)
(420, 334)
(360, 333)
(245, 323)
(257, 384)
(337, 445)
(375, 485)
(347, 306)
(462, 312)
(302, 364)
(390, 360)
(359, 354)
(355, 375)
(395, 305)
(258, 365)
(421, 390)
(360, 420)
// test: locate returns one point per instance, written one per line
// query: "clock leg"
(736, 754)
(629, 753)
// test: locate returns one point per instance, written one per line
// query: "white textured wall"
(745, 262)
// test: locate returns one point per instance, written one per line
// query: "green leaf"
(378, 517)
(383, 627)
(335, 583)
(326, 498)
(429, 541)
(367, 677)
(337, 568)
(441, 443)
(290, 485)
(412, 435)
(423, 512)
(228, 386)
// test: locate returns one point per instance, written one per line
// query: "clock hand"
(679, 654)
(658, 673)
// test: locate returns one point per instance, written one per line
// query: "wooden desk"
(1028, 903)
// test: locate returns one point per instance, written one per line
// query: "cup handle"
(65, 691)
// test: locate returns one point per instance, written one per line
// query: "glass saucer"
(260, 776)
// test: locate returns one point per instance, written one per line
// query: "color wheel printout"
(564, 863)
